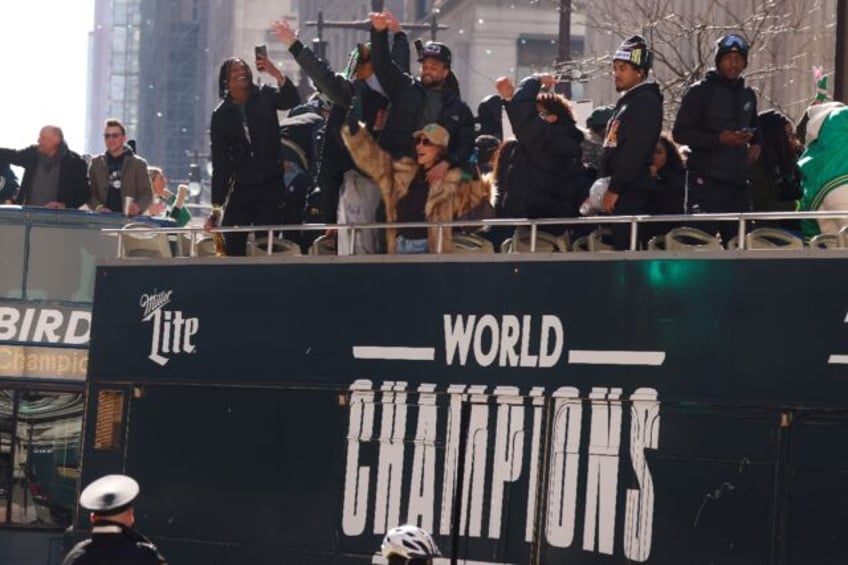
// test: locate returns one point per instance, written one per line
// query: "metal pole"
(456, 518)
(564, 53)
(840, 79)
(319, 46)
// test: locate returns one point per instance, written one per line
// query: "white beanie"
(818, 113)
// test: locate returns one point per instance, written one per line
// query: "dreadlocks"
(224, 75)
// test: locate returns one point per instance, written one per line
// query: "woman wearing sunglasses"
(408, 195)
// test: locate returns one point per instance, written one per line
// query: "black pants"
(251, 205)
(631, 202)
(713, 197)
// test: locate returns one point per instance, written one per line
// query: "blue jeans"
(406, 246)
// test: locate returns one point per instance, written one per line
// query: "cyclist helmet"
(409, 542)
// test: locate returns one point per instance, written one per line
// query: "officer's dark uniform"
(112, 542)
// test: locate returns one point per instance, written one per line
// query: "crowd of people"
(378, 143)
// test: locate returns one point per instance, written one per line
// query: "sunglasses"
(112, 135)
(423, 141)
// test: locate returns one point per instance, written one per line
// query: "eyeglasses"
(734, 40)
(423, 141)
(112, 135)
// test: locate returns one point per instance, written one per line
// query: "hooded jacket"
(411, 103)
(73, 175)
(446, 200)
(632, 133)
(710, 106)
(540, 178)
(135, 181)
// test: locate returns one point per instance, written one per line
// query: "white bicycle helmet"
(409, 542)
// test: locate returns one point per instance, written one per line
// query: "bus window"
(39, 456)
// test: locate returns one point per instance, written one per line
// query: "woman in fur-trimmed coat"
(409, 196)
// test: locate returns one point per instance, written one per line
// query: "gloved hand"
(354, 114)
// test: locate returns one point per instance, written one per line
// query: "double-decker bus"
(532, 408)
(46, 291)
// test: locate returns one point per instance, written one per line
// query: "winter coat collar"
(714, 76)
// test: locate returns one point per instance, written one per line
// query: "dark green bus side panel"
(659, 411)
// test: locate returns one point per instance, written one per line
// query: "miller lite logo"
(173, 333)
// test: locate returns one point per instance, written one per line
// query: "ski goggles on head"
(733, 40)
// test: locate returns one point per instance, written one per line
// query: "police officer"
(113, 540)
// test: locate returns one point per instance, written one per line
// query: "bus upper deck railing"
(533, 225)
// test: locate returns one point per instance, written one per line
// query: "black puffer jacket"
(709, 107)
(410, 108)
(542, 166)
(632, 134)
(73, 175)
(254, 162)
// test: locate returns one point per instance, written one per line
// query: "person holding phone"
(247, 155)
(717, 119)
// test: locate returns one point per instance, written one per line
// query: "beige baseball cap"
(435, 133)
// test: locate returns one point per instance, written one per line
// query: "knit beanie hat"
(634, 50)
(732, 43)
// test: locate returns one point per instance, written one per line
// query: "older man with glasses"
(120, 181)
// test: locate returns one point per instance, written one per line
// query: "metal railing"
(742, 220)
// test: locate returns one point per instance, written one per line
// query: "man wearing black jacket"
(54, 176)
(247, 156)
(717, 119)
(433, 97)
(631, 135)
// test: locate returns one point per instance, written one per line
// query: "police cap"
(109, 495)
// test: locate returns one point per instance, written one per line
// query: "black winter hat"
(435, 50)
(634, 50)
(732, 43)
(599, 117)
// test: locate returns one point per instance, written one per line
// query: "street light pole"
(564, 51)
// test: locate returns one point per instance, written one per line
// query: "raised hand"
(392, 22)
(547, 79)
(285, 33)
(505, 88)
(378, 21)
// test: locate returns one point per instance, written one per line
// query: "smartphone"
(752, 131)
(261, 50)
